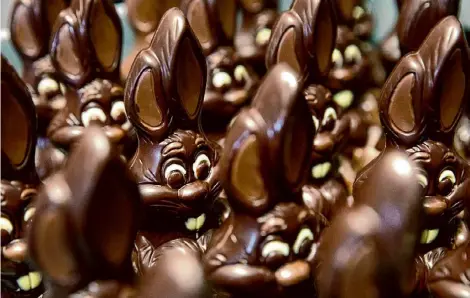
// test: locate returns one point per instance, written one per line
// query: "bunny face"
(354, 15)
(174, 165)
(18, 185)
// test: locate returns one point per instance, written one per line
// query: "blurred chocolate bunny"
(86, 223)
(31, 28)
(18, 185)
(231, 81)
(420, 107)
(267, 244)
(354, 15)
(304, 37)
(144, 17)
(251, 40)
(86, 51)
(369, 250)
(175, 166)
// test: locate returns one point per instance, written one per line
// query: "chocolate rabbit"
(369, 250)
(267, 244)
(86, 51)
(232, 82)
(174, 165)
(420, 106)
(31, 29)
(304, 37)
(86, 223)
(257, 21)
(354, 15)
(144, 17)
(18, 185)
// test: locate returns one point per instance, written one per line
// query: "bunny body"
(18, 185)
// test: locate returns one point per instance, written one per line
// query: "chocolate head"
(174, 164)
(232, 82)
(267, 243)
(86, 50)
(420, 107)
(18, 185)
(86, 220)
(31, 30)
(354, 15)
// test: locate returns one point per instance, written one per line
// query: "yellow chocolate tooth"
(191, 224)
(35, 279)
(24, 283)
(200, 221)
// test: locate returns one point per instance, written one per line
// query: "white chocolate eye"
(5, 224)
(29, 214)
(337, 58)
(118, 110)
(304, 235)
(330, 113)
(174, 168)
(423, 180)
(47, 85)
(93, 114)
(344, 98)
(316, 122)
(200, 160)
(263, 36)
(240, 73)
(276, 247)
(447, 174)
(352, 54)
(358, 12)
(221, 79)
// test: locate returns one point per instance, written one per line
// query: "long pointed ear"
(105, 32)
(31, 25)
(304, 37)
(418, 17)
(203, 22)
(87, 219)
(18, 127)
(227, 16)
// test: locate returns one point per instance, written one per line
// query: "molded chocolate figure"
(304, 37)
(420, 107)
(144, 17)
(354, 15)
(86, 223)
(18, 185)
(174, 165)
(31, 29)
(415, 20)
(232, 82)
(369, 250)
(251, 40)
(267, 245)
(86, 51)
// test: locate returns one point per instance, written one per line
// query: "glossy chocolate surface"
(174, 165)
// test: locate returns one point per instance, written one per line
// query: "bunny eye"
(337, 58)
(358, 12)
(47, 86)
(221, 79)
(275, 248)
(316, 122)
(344, 98)
(422, 180)
(262, 36)
(330, 114)
(93, 114)
(303, 241)
(6, 225)
(118, 112)
(29, 214)
(446, 182)
(240, 73)
(201, 166)
(352, 54)
(175, 175)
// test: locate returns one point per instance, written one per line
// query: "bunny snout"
(15, 251)
(194, 191)
(434, 205)
(293, 273)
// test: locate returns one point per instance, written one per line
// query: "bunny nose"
(293, 273)
(15, 251)
(323, 142)
(114, 134)
(194, 191)
(434, 205)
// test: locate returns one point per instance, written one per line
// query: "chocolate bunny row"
(305, 37)
(18, 186)
(421, 104)
(174, 164)
(267, 244)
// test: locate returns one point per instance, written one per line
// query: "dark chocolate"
(354, 15)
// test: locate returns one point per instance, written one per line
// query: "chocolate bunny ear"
(144, 15)
(268, 146)
(87, 39)
(31, 25)
(418, 17)
(425, 83)
(18, 127)
(87, 217)
(304, 37)
(167, 80)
